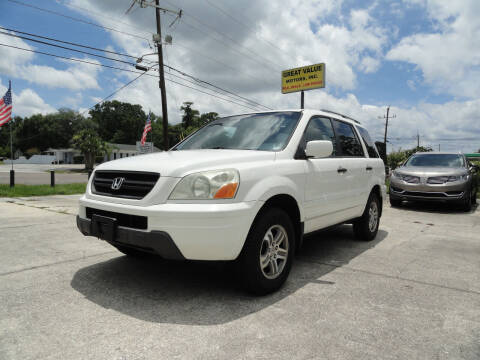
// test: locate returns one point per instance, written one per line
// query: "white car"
(244, 188)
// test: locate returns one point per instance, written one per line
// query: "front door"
(325, 196)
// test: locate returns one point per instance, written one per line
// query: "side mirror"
(318, 149)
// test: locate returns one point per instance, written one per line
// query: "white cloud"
(449, 56)
(27, 102)
(19, 64)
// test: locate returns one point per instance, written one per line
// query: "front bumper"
(203, 231)
(158, 242)
(402, 190)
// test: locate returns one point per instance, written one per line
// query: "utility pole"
(418, 139)
(386, 125)
(161, 83)
(438, 147)
(157, 38)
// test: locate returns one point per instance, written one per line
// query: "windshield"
(436, 160)
(264, 131)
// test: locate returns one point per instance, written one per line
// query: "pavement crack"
(55, 263)
(28, 225)
(46, 208)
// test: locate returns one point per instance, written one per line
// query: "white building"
(119, 151)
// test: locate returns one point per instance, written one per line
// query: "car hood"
(182, 162)
(424, 171)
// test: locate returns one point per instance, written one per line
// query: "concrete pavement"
(412, 293)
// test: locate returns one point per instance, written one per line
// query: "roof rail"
(342, 115)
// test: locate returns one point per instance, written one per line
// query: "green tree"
(190, 116)
(119, 122)
(89, 143)
(47, 131)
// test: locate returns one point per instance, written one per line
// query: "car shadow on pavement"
(435, 207)
(205, 293)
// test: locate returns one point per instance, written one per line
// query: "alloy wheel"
(274, 251)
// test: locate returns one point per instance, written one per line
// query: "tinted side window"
(349, 144)
(371, 148)
(320, 128)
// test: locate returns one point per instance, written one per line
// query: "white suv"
(244, 188)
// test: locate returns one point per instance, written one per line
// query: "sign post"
(303, 78)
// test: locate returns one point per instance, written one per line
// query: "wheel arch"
(378, 191)
(290, 205)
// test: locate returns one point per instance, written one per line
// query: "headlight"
(397, 175)
(458, 177)
(217, 184)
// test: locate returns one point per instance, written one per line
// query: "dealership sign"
(303, 78)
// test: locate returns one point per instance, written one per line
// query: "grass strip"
(41, 190)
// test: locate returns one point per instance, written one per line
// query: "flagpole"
(10, 126)
(11, 142)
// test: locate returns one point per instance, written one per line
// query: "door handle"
(369, 168)
(341, 170)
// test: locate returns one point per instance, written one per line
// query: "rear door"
(353, 162)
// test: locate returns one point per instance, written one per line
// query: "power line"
(115, 68)
(66, 42)
(210, 84)
(66, 48)
(226, 43)
(124, 32)
(77, 19)
(215, 96)
(119, 31)
(242, 24)
(121, 61)
(116, 20)
(116, 91)
(71, 59)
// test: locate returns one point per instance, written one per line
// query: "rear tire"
(266, 258)
(366, 227)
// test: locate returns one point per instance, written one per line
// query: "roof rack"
(342, 115)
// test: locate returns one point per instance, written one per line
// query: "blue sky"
(418, 56)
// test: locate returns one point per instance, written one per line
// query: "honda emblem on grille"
(117, 183)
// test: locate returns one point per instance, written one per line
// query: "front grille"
(411, 179)
(135, 185)
(438, 180)
(131, 221)
(425, 194)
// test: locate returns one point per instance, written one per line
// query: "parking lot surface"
(412, 293)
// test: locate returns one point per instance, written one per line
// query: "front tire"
(366, 227)
(467, 202)
(395, 202)
(266, 258)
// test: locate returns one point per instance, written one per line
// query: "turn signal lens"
(226, 191)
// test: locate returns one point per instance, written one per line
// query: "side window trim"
(362, 143)
(364, 133)
(339, 145)
(301, 145)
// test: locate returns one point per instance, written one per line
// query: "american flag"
(6, 106)
(148, 127)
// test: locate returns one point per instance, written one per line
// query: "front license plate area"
(104, 227)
